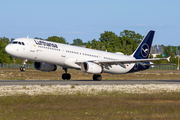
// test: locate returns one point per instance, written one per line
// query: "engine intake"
(44, 66)
(90, 67)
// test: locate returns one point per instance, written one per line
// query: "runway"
(85, 82)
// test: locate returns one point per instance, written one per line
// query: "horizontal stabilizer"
(161, 64)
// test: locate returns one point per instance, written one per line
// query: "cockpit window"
(15, 42)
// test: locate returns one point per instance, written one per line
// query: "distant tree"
(150, 56)
(18, 61)
(57, 39)
(168, 51)
(126, 43)
(108, 37)
(159, 61)
(12, 39)
(131, 39)
(77, 42)
(88, 44)
(174, 60)
(38, 38)
(132, 35)
(110, 41)
(4, 40)
(4, 57)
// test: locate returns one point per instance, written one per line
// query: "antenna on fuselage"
(28, 36)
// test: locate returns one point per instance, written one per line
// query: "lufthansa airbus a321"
(47, 55)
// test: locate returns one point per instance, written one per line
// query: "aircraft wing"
(128, 61)
(122, 62)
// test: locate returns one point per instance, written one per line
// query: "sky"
(87, 19)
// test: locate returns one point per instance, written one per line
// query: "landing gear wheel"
(97, 77)
(22, 69)
(66, 76)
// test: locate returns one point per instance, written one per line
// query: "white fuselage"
(64, 55)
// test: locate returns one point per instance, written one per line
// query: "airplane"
(48, 55)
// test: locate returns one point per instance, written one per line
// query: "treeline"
(126, 42)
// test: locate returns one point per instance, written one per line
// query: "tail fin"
(144, 48)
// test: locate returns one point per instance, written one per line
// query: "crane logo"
(145, 50)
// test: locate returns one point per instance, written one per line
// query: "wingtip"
(168, 59)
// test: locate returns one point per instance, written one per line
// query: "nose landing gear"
(23, 69)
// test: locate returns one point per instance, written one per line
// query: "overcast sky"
(87, 19)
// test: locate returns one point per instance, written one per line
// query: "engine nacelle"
(44, 66)
(90, 67)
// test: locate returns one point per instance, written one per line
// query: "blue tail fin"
(144, 48)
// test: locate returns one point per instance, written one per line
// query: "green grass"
(32, 74)
(103, 106)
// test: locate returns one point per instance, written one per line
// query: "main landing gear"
(97, 77)
(23, 69)
(66, 76)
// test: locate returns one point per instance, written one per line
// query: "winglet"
(169, 58)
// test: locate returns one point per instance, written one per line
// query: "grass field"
(131, 102)
(103, 102)
(105, 106)
(32, 74)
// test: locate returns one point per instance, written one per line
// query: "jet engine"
(44, 66)
(90, 67)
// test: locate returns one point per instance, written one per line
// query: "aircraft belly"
(116, 69)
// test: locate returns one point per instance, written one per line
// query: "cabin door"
(32, 46)
(63, 51)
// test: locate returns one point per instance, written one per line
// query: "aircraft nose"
(8, 49)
